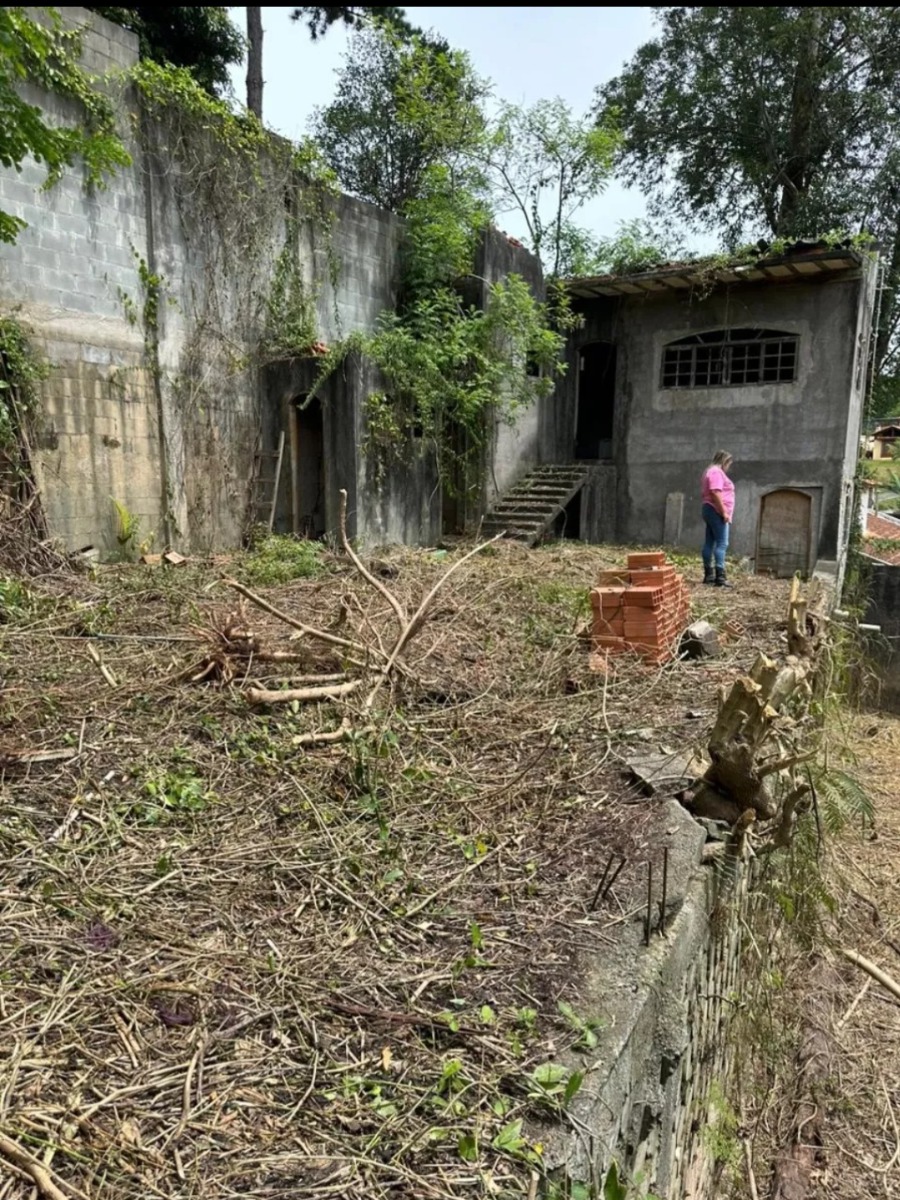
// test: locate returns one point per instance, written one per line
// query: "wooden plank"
(277, 480)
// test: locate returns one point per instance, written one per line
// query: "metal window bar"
(737, 363)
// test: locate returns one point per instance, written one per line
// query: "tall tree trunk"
(254, 61)
(795, 171)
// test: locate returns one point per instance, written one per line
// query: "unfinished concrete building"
(767, 360)
(150, 309)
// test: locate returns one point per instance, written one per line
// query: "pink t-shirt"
(715, 480)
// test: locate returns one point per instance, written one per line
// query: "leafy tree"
(205, 40)
(546, 164)
(319, 20)
(636, 246)
(761, 118)
(402, 106)
(777, 120)
(46, 55)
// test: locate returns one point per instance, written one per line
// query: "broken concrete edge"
(639, 997)
(663, 1052)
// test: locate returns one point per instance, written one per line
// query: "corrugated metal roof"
(807, 263)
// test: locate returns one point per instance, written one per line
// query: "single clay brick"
(645, 597)
(655, 558)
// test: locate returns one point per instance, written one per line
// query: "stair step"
(541, 485)
(514, 504)
(539, 497)
(528, 509)
(548, 496)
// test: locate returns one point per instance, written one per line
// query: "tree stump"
(739, 774)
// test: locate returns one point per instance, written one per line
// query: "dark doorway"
(567, 525)
(455, 478)
(596, 401)
(307, 467)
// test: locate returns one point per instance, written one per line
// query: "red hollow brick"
(655, 558)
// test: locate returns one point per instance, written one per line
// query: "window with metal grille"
(730, 358)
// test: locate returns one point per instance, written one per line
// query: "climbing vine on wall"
(250, 205)
(291, 325)
(46, 54)
(245, 197)
(21, 372)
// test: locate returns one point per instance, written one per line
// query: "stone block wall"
(655, 1100)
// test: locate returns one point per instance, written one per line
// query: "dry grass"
(863, 1129)
(230, 966)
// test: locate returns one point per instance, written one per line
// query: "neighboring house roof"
(885, 529)
(888, 431)
(803, 259)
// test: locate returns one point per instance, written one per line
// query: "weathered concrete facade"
(148, 298)
(794, 436)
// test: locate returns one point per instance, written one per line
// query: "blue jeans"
(716, 538)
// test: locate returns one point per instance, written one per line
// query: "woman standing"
(718, 508)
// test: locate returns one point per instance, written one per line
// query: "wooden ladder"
(262, 501)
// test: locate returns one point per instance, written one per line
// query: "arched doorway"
(784, 539)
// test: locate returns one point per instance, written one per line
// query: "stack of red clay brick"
(642, 609)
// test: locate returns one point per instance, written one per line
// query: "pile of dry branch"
(256, 944)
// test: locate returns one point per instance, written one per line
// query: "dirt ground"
(862, 1128)
(234, 965)
(812, 1010)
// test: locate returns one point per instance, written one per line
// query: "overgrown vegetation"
(22, 370)
(459, 351)
(275, 559)
(794, 920)
(46, 54)
(204, 41)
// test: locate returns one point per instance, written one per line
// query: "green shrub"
(277, 559)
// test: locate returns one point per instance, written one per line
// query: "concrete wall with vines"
(66, 279)
(161, 301)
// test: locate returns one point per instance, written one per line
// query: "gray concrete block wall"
(66, 278)
(664, 1061)
(188, 435)
(798, 434)
(777, 433)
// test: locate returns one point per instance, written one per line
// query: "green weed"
(278, 559)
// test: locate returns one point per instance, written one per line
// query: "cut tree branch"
(366, 574)
(33, 1167)
(302, 695)
(307, 630)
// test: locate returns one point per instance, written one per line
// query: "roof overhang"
(683, 277)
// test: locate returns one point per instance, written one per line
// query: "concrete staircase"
(529, 509)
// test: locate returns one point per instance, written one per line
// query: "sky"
(530, 54)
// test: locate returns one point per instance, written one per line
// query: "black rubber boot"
(709, 575)
(721, 578)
